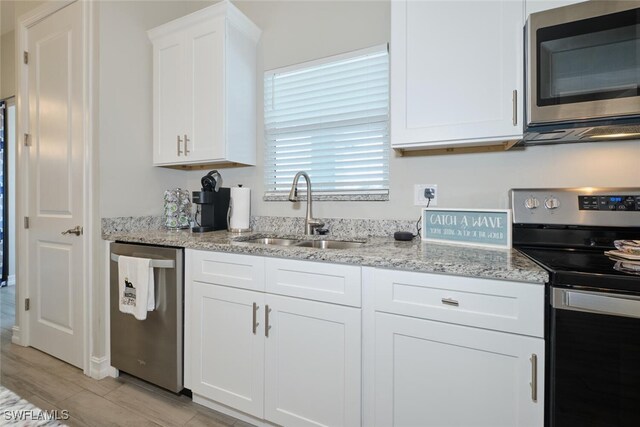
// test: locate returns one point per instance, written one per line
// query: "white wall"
(7, 65)
(10, 10)
(129, 184)
(296, 31)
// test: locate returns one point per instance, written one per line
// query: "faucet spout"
(309, 222)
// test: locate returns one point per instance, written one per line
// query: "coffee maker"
(212, 204)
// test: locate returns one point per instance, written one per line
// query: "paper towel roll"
(240, 209)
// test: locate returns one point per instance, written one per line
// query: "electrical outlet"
(420, 194)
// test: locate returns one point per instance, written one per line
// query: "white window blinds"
(329, 118)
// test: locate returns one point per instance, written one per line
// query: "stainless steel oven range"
(593, 300)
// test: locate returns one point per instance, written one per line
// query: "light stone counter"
(382, 252)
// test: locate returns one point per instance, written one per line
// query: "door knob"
(77, 231)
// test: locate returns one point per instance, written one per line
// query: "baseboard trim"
(16, 338)
(100, 368)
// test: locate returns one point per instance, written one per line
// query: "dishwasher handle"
(155, 263)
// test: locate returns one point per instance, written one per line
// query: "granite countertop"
(383, 252)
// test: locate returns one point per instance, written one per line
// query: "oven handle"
(596, 302)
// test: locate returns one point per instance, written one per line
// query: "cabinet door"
(313, 367)
(456, 67)
(437, 374)
(205, 91)
(227, 356)
(169, 99)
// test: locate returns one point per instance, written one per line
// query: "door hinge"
(26, 222)
(25, 57)
(27, 304)
(27, 140)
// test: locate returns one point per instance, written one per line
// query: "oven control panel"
(609, 203)
(589, 206)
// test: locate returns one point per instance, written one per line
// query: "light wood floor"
(52, 384)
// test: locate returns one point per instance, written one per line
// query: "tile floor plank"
(157, 408)
(94, 410)
(201, 420)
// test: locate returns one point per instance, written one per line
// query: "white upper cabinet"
(533, 6)
(456, 73)
(204, 89)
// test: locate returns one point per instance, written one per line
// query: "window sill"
(330, 197)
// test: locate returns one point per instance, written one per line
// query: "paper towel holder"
(229, 213)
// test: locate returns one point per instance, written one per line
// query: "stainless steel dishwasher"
(151, 349)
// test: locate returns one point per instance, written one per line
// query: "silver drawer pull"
(534, 377)
(255, 317)
(186, 145)
(449, 301)
(267, 310)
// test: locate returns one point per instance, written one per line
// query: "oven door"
(595, 359)
(583, 62)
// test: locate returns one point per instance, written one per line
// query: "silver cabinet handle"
(534, 377)
(178, 143)
(267, 310)
(449, 301)
(77, 230)
(255, 317)
(186, 145)
(514, 100)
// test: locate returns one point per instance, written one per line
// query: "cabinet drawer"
(239, 271)
(318, 281)
(483, 303)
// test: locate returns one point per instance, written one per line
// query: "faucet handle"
(315, 223)
(311, 224)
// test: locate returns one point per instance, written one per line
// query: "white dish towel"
(135, 286)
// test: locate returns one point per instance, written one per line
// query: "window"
(329, 118)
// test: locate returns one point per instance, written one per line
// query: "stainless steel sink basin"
(329, 244)
(319, 244)
(273, 241)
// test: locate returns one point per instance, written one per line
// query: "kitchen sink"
(274, 241)
(319, 244)
(329, 244)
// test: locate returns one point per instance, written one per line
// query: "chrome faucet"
(309, 222)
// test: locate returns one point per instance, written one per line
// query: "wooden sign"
(473, 227)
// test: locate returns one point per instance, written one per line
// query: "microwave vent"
(612, 132)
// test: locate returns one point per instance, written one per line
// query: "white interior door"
(55, 184)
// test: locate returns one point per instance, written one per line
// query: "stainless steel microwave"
(583, 73)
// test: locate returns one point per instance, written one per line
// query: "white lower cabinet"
(285, 342)
(289, 361)
(227, 357)
(312, 368)
(430, 373)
